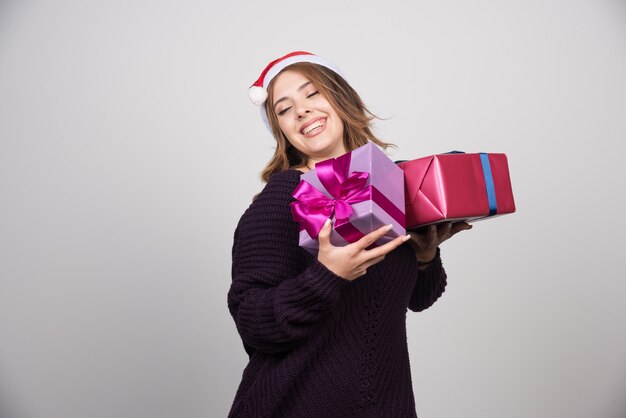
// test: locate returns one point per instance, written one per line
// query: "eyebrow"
(285, 98)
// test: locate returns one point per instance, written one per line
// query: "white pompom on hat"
(258, 90)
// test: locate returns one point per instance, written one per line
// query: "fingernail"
(327, 222)
(389, 227)
(406, 238)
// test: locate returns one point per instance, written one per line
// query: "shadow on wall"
(8, 8)
(620, 407)
(8, 406)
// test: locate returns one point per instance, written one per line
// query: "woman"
(326, 335)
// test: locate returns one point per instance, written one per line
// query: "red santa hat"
(258, 90)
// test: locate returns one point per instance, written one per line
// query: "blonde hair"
(344, 100)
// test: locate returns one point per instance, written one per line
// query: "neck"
(311, 161)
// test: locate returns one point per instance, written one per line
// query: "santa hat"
(258, 90)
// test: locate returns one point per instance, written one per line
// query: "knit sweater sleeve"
(275, 301)
(430, 285)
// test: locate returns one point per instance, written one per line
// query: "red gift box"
(456, 187)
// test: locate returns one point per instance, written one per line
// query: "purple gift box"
(360, 191)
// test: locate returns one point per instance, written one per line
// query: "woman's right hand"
(353, 260)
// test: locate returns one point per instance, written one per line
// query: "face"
(306, 118)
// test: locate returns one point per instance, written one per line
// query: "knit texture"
(320, 345)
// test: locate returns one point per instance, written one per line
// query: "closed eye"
(282, 112)
(312, 94)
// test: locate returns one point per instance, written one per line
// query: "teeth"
(309, 128)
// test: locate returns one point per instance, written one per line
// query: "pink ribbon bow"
(313, 207)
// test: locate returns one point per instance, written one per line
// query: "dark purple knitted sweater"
(320, 345)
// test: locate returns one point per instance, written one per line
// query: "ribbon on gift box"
(312, 207)
(491, 188)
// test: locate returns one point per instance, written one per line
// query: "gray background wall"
(129, 149)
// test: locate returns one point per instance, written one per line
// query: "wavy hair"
(342, 97)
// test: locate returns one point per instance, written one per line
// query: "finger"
(324, 235)
(372, 237)
(415, 237)
(444, 230)
(386, 248)
(460, 226)
(373, 261)
(431, 233)
(415, 240)
(413, 234)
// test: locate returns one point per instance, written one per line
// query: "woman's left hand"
(425, 244)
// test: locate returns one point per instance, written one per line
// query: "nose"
(302, 111)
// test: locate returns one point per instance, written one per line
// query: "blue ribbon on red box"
(491, 189)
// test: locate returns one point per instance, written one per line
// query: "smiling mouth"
(315, 125)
